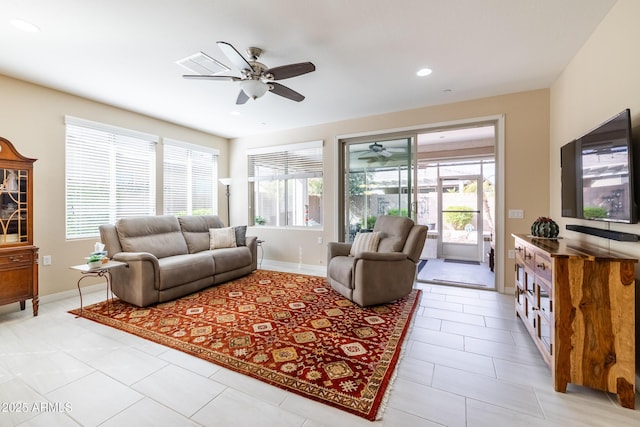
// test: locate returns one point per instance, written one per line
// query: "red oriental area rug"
(289, 330)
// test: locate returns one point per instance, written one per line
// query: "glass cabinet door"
(13, 206)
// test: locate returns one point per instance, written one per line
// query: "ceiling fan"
(256, 78)
(379, 151)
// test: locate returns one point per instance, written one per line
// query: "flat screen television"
(598, 180)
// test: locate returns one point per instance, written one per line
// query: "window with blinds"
(110, 174)
(285, 183)
(190, 179)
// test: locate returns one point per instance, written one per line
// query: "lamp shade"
(225, 181)
(254, 88)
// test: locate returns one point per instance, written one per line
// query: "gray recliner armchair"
(386, 274)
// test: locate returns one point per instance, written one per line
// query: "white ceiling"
(123, 52)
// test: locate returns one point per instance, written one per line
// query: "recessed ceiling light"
(24, 25)
(424, 72)
(235, 113)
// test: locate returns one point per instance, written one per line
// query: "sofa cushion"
(157, 235)
(395, 230)
(180, 269)
(241, 235)
(228, 259)
(365, 242)
(222, 238)
(196, 230)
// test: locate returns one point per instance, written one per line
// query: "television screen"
(597, 173)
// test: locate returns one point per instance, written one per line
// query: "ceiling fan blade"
(384, 153)
(242, 98)
(291, 70)
(234, 56)
(284, 91)
(367, 155)
(209, 77)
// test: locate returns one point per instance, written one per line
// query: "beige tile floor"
(467, 362)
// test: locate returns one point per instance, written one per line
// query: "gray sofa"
(169, 257)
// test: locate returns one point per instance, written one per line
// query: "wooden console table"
(578, 304)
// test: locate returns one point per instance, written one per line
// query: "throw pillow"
(222, 238)
(365, 242)
(241, 235)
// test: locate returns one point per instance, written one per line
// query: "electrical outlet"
(320, 240)
(511, 253)
(46, 260)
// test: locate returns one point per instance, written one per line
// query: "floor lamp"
(227, 182)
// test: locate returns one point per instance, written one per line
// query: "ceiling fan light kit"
(254, 88)
(257, 79)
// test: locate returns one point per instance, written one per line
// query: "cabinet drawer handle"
(542, 266)
(528, 256)
(15, 258)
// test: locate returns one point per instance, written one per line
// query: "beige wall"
(32, 118)
(601, 80)
(526, 167)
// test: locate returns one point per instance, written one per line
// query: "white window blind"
(110, 174)
(190, 179)
(286, 184)
(286, 161)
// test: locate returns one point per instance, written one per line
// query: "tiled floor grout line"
(20, 333)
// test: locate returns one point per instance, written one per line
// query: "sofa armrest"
(132, 257)
(252, 244)
(139, 282)
(335, 249)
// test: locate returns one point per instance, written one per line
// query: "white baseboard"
(58, 296)
(292, 267)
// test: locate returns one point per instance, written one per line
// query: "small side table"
(103, 271)
(259, 242)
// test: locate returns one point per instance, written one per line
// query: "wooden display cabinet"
(578, 304)
(18, 255)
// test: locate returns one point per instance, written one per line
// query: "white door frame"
(499, 123)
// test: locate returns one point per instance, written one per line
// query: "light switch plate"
(516, 213)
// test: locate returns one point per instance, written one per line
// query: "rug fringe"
(403, 349)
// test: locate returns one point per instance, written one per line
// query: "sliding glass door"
(444, 179)
(377, 181)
